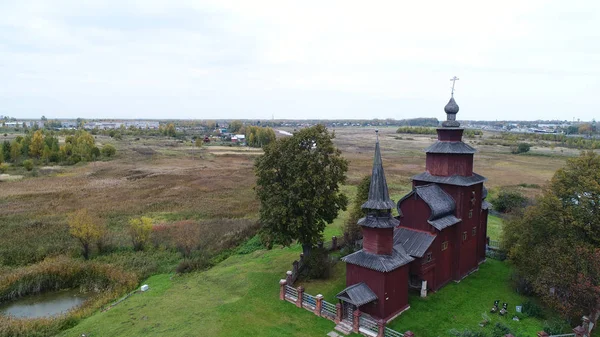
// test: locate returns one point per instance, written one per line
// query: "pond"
(44, 305)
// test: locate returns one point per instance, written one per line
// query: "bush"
(28, 164)
(317, 265)
(508, 201)
(139, 230)
(3, 168)
(250, 246)
(500, 330)
(520, 148)
(556, 326)
(532, 309)
(499, 255)
(108, 150)
(522, 286)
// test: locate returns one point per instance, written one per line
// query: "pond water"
(43, 305)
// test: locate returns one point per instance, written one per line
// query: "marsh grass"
(52, 274)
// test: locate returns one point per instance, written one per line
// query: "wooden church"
(438, 237)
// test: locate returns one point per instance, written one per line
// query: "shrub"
(250, 246)
(556, 326)
(499, 255)
(521, 285)
(500, 330)
(508, 201)
(108, 150)
(317, 265)
(139, 230)
(520, 148)
(28, 164)
(532, 309)
(3, 168)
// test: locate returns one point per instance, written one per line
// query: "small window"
(429, 257)
(444, 245)
(474, 231)
(470, 214)
(464, 236)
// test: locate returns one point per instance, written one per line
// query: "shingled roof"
(444, 222)
(441, 204)
(379, 198)
(451, 180)
(373, 221)
(414, 242)
(357, 294)
(382, 263)
(450, 147)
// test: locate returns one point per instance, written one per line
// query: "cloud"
(309, 59)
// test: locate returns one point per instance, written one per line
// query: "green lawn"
(238, 297)
(456, 306)
(494, 227)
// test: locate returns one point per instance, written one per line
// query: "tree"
(86, 229)
(15, 151)
(555, 243)
(235, 126)
(520, 148)
(139, 230)
(170, 130)
(352, 231)
(298, 187)
(36, 147)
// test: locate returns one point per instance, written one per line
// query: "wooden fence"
(359, 322)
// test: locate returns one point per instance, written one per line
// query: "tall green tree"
(352, 230)
(298, 184)
(555, 243)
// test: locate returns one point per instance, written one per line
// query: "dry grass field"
(170, 180)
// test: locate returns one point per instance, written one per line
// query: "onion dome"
(451, 110)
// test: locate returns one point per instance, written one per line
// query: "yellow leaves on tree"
(139, 230)
(86, 229)
(37, 144)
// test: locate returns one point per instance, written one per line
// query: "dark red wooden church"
(438, 237)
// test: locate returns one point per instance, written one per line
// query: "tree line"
(257, 136)
(43, 147)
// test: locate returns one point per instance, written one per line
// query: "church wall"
(415, 213)
(447, 165)
(396, 293)
(482, 240)
(454, 135)
(376, 282)
(378, 240)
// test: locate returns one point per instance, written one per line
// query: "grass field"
(238, 297)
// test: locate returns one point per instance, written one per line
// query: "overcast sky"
(522, 59)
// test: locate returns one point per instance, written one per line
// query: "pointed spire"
(379, 198)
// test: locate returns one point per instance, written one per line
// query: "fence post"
(318, 304)
(299, 300)
(356, 320)
(409, 334)
(334, 243)
(282, 284)
(579, 331)
(320, 244)
(338, 313)
(542, 334)
(288, 277)
(586, 325)
(381, 328)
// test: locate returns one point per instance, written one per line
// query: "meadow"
(209, 189)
